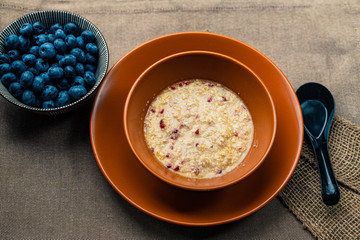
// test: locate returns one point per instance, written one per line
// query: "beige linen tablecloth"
(50, 184)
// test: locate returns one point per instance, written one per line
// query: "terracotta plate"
(159, 199)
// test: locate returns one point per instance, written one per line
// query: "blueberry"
(76, 92)
(70, 41)
(38, 84)
(60, 34)
(49, 92)
(8, 78)
(40, 39)
(56, 72)
(90, 67)
(28, 97)
(4, 58)
(11, 41)
(29, 59)
(80, 42)
(79, 69)
(14, 54)
(69, 72)
(89, 79)
(24, 43)
(90, 58)
(51, 37)
(5, 68)
(26, 79)
(91, 48)
(34, 50)
(55, 27)
(60, 45)
(38, 28)
(16, 90)
(88, 36)
(33, 70)
(71, 28)
(41, 65)
(68, 60)
(46, 78)
(55, 64)
(18, 66)
(79, 54)
(47, 51)
(78, 81)
(26, 29)
(58, 57)
(62, 84)
(62, 99)
(48, 104)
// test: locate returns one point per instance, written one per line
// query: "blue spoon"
(318, 108)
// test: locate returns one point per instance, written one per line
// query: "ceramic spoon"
(318, 108)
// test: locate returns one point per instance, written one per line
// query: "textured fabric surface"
(302, 193)
(50, 184)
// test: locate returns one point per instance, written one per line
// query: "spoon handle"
(329, 187)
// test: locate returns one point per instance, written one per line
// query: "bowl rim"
(90, 93)
(189, 186)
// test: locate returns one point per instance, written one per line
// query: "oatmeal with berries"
(198, 128)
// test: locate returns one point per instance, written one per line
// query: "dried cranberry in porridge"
(198, 128)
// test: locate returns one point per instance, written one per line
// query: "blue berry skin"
(29, 59)
(51, 37)
(14, 54)
(38, 28)
(79, 69)
(70, 41)
(88, 36)
(24, 43)
(62, 84)
(50, 92)
(60, 34)
(33, 70)
(18, 66)
(38, 84)
(62, 99)
(55, 73)
(34, 50)
(55, 64)
(28, 97)
(68, 60)
(71, 28)
(92, 48)
(40, 39)
(58, 57)
(89, 79)
(47, 51)
(46, 78)
(91, 68)
(69, 72)
(90, 58)
(80, 42)
(16, 90)
(41, 65)
(5, 68)
(4, 58)
(60, 45)
(11, 41)
(79, 54)
(76, 92)
(48, 104)
(8, 78)
(78, 81)
(26, 79)
(26, 29)
(55, 27)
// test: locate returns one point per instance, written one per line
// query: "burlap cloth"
(302, 193)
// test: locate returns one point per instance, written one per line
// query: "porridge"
(198, 128)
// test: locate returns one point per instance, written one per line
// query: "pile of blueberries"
(47, 68)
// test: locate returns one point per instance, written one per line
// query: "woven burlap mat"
(302, 194)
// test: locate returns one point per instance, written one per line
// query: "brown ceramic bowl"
(202, 65)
